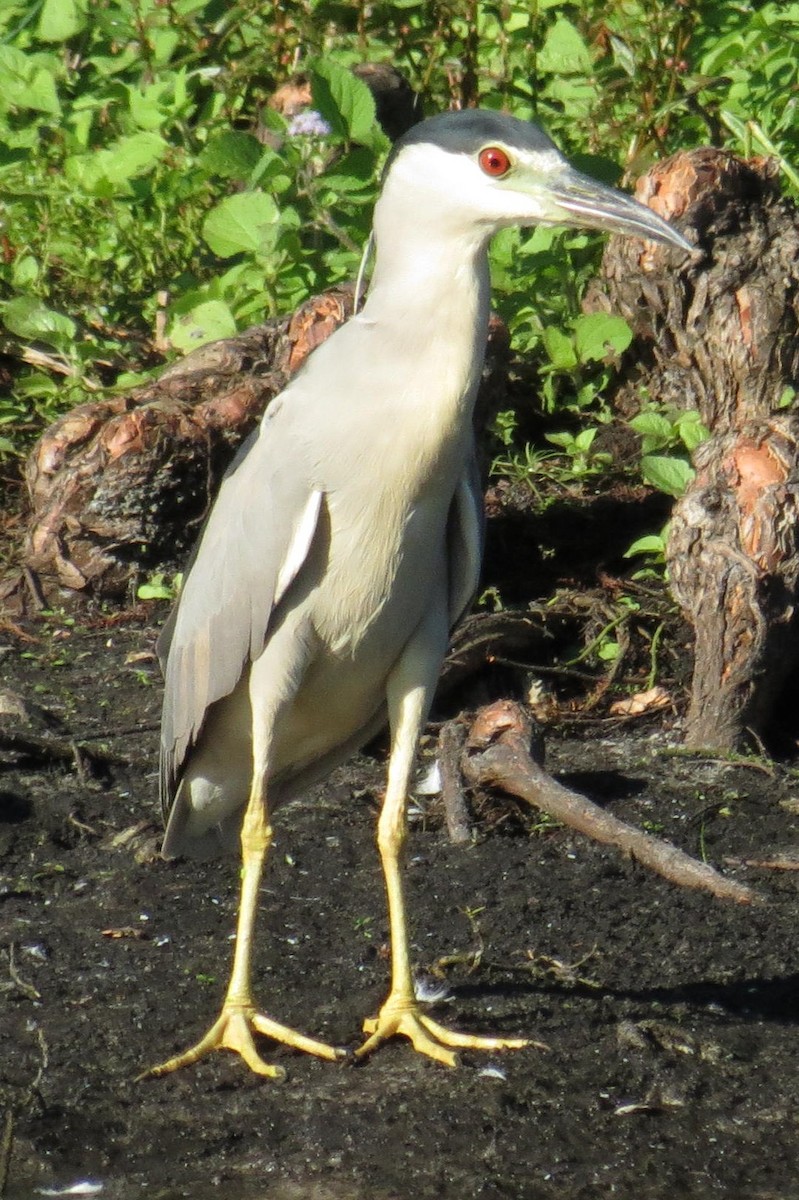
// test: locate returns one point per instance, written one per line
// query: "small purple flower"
(308, 123)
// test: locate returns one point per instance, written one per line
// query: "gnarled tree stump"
(121, 486)
(720, 335)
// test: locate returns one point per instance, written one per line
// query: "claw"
(403, 1018)
(233, 1030)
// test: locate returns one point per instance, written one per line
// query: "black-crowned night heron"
(345, 543)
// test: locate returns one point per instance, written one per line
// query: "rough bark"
(120, 486)
(719, 334)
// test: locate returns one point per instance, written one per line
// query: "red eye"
(494, 161)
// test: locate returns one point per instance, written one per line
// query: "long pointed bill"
(579, 200)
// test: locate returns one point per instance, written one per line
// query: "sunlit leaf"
(232, 155)
(691, 429)
(42, 94)
(344, 101)
(29, 318)
(667, 474)
(59, 20)
(651, 543)
(240, 222)
(205, 323)
(596, 335)
(655, 430)
(560, 348)
(564, 51)
(113, 166)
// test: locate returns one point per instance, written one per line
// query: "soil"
(672, 1067)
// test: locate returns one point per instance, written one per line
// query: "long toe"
(404, 1019)
(233, 1030)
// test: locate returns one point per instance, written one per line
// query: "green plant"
(652, 547)
(673, 430)
(160, 587)
(583, 459)
(679, 432)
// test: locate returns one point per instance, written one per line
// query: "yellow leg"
(239, 1019)
(400, 1013)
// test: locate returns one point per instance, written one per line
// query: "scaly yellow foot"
(234, 1031)
(403, 1017)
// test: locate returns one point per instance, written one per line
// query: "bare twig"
(498, 756)
(27, 989)
(6, 1146)
(54, 749)
(780, 862)
(450, 745)
(34, 588)
(30, 1096)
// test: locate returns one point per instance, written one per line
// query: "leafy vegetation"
(151, 199)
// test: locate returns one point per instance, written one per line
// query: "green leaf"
(656, 432)
(111, 168)
(623, 56)
(564, 440)
(608, 651)
(585, 440)
(28, 318)
(596, 335)
(164, 43)
(560, 348)
(564, 52)
(652, 543)
(149, 105)
(652, 424)
(206, 322)
(353, 172)
(42, 95)
(158, 587)
(691, 429)
(272, 172)
(345, 102)
(232, 155)
(10, 158)
(667, 474)
(573, 93)
(25, 271)
(59, 20)
(132, 156)
(241, 222)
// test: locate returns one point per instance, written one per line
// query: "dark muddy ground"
(671, 1019)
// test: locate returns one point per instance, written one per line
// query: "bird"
(345, 543)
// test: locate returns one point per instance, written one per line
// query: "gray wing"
(254, 543)
(465, 540)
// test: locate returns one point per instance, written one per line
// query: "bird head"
(479, 170)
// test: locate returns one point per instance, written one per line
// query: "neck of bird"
(430, 295)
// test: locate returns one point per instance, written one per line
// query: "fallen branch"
(46, 750)
(780, 863)
(497, 755)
